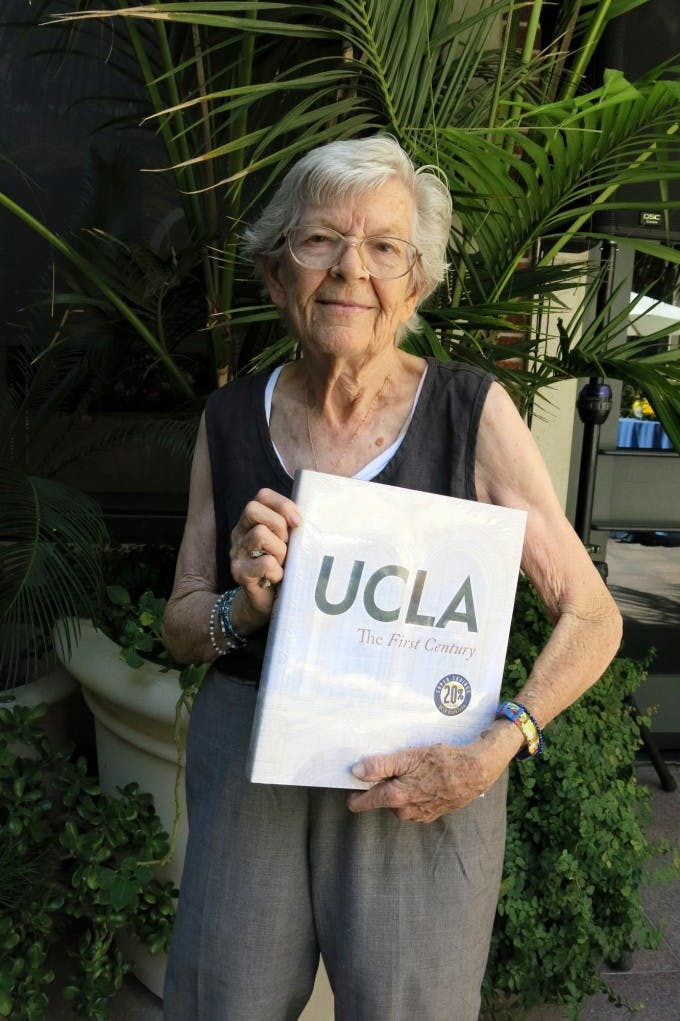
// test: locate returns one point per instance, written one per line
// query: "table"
(642, 434)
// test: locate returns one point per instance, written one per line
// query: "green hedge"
(76, 863)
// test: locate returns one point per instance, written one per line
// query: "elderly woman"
(351, 243)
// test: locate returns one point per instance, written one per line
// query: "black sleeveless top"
(437, 455)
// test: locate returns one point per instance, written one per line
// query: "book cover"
(389, 631)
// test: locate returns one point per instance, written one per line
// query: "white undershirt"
(374, 467)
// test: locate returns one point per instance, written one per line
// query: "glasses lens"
(315, 247)
(386, 257)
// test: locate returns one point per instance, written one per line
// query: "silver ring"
(256, 553)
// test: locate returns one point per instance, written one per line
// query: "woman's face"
(342, 311)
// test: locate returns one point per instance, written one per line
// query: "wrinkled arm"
(263, 525)
(587, 623)
(185, 623)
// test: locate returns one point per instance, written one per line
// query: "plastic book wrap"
(390, 628)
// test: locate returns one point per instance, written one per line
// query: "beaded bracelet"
(231, 636)
(533, 734)
(212, 631)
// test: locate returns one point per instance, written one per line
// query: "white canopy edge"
(651, 315)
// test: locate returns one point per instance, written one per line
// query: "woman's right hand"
(259, 543)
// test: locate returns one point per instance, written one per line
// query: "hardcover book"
(390, 628)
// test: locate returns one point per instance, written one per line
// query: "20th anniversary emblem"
(452, 694)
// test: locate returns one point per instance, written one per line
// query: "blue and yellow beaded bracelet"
(522, 718)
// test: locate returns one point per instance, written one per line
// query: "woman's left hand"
(421, 784)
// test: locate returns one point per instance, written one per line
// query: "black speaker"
(635, 43)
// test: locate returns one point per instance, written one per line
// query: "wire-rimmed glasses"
(383, 257)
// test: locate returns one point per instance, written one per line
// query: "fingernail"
(359, 771)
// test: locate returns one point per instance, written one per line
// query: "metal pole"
(594, 404)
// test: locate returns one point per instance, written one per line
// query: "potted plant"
(52, 530)
(139, 698)
(53, 534)
(75, 864)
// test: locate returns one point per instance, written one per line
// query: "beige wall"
(553, 420)
(552, 428)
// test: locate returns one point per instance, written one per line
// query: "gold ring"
(255, 553)
(265, 583)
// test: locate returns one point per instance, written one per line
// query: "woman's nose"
(349, 261)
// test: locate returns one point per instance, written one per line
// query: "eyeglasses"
(384, 258)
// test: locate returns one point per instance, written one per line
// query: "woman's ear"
(271, 266)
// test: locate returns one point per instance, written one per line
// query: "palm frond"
(239, 90)
(90, 274)
(51, 537)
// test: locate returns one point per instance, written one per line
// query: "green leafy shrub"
(71, 858)
(132, 615)
(576, 847)
(137, 626)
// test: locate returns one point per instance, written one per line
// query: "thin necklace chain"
(345, 450)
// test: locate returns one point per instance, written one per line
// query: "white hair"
(347, 169)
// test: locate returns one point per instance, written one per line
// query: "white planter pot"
(55, 689)
(134, 712)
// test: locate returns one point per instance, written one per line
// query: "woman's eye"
(318, 239)
(383, 246)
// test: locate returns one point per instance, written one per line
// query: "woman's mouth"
(343, 305)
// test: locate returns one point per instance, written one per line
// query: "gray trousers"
(402, 912)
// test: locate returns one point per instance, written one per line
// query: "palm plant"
(236, 91)
(531, 153)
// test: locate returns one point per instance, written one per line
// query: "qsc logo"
(452, 695)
